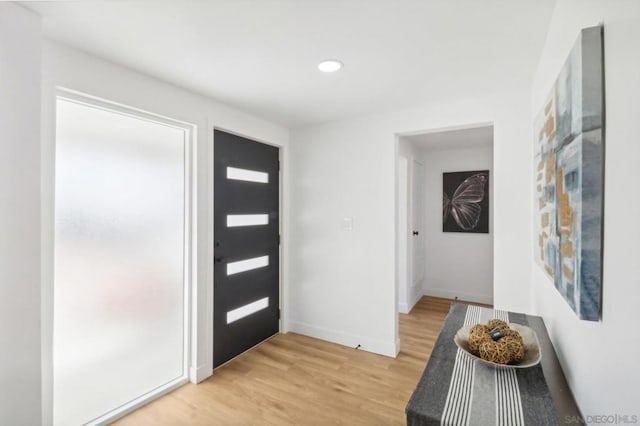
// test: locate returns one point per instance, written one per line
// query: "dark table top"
(456, 389)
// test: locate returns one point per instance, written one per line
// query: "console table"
(455, 389)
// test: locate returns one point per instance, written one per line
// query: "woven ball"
(514, 348)
(514, 334)
(507, 349)
(496, 323)
(495, 352)
(478, 334)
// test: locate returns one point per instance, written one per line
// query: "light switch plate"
(347, 224)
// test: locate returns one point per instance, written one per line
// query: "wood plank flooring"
(297, 380)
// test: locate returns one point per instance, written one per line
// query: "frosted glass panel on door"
(246, 310)
(247, 265)
(119, 250)
(234, 220)
(247, 175)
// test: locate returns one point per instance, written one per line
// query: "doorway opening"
(444, 210)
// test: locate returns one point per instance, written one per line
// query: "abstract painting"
(569, 178)
(465, 202)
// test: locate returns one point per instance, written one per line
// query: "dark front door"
(246, 240)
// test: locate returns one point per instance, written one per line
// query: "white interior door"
(403, 233)
(417, 231)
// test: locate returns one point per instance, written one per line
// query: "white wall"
(70, 69)
(457, 264)
(20, 46)
(603, 380)
(343, 283)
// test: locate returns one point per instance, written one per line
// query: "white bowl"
(532, 354)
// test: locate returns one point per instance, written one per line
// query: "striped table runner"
(455, 389)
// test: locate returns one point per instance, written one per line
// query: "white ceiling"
(476, 137)
(261, 55)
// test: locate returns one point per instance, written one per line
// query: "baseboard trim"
(405, 308)
(449, 294)
(389, 349)
(200, 373)
(415, 298)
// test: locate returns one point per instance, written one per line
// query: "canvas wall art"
(569, 173)
(465, 201)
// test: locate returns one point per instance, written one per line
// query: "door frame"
(396, 154)
(282, 250)
(48, 161)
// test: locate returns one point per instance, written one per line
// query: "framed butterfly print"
(465, 202)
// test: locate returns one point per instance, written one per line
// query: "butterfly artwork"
(465, 202)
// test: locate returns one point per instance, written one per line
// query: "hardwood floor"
(297, 380)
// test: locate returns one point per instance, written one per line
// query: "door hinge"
(278, 165)
(278, 239)
(278, 313)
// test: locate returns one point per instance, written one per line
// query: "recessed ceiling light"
(330, 65)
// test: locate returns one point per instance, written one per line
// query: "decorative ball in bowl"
(500, 344)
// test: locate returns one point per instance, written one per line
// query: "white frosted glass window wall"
(119, 320)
